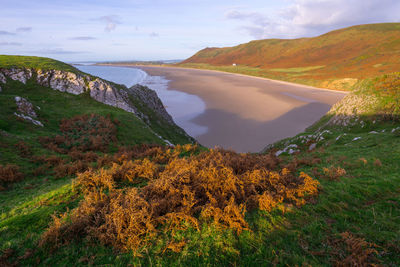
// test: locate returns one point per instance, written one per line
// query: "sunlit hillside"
(333, 60)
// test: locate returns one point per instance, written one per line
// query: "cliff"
(137, 99)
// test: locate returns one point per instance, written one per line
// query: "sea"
(181, 106)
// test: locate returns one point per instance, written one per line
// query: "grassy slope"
(364, 201)
(356, 52)
(35, 63)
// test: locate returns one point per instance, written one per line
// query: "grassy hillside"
(69, 200)
(334, 60)
(35, 63)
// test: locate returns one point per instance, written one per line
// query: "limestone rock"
(105, 93)
(27, 118)
(2, 78)
(312, 146)
(62, 81)
(25, 107)
(26, 111)
(21, 75)
(150, 98)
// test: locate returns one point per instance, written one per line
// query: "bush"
(82, 133)
(216, 187)
(10, 174)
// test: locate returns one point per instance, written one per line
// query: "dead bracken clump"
(357, 251)
(334, 173)
(216, 187)
(82, 133)
(9, 174)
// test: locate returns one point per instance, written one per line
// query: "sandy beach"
(247, 113)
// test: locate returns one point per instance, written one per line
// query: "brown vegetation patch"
(24, 149)
(9, 174)
(82, 133)
(216, 187)
(353, 251)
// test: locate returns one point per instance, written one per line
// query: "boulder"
(25, 107)
(26, 111)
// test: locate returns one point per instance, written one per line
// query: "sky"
(101, 30)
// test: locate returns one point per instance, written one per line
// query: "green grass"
(365, 201)
(298, 69)
(287, 75)
(35, 63)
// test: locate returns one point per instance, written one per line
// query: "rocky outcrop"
(62, 81)
(150, 98)
(351, 107)
(100, 90)
(2, 79)
(108, 94)
(22, 75)
(26, 111)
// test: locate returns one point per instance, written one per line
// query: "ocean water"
(181, 106)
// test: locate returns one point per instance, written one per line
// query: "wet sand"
(247, 113)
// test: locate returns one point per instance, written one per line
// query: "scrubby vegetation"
(95, 186)
(216, 187)
(335, 60)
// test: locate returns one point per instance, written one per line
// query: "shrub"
(82, 133)
(10, 174)
(216, 187)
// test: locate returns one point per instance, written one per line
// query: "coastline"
(139, 66)
(246, 113)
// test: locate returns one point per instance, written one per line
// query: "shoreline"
(219, 71)
(246, 114)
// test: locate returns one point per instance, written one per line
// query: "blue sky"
(88, 30)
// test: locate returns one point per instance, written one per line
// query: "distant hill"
(356, 52)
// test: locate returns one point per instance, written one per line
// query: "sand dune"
(247, 113)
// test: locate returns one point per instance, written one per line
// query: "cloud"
(83, 38)
(111, 22)
(10, 44)
(6, 33)
(311, 17)
(154, 34)
(57, 51)
(24, 29)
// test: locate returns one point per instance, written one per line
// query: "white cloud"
(57, 51)
(24, 29)
(111, 22)
(6, 33)
(154, 34)
(10, 44)
(83, 38)
(314, 17)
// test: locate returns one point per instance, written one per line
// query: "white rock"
(25, 107)
(67, 82)
(29, 119)
(21, 75)
(2, 78)
(384, 130)
(277, 153)
(356, 138)
(373, 132)
(312, 146)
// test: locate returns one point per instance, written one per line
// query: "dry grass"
(216, 187)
